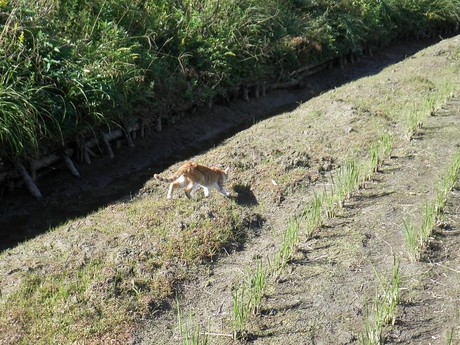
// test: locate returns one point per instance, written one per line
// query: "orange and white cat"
(191, 175)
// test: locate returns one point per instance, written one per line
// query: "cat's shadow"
(244, 195)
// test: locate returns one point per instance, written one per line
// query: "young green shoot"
(384, 308)
(312, 215)
(290, 237)
(412, 238)
(257, 287)
(241, 311)
(428, 223)
(190, 332)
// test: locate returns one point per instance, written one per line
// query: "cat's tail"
(164, 179)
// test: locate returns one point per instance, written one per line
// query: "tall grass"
(19, 121)
(96, 62)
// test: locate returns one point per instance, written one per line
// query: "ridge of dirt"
(320, 297)
(320, 280)
(107, 180)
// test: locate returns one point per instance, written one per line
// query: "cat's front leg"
(206, 191)
(170, 191)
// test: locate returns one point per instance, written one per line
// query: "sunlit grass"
(382, 311)
(117, 276)
(413, 239)
(289, 240)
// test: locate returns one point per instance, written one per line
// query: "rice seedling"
(428, 223)
(241, 311)
(373, 160)
(430, 105)
(312, 215)
(384, 308)
(257, 286)
(413, 124)
(289, 239)
(417, 239)
(247, 299)
(347, 181)
(329, 203)
(390, 294)
(190, 332)
(446, 184)
(373, 332)
(412, 237)
(386, 146)
(378, 151)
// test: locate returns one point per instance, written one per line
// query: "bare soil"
(277, 165)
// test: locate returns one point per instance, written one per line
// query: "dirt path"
(320, 298)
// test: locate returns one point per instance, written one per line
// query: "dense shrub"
(68, 65)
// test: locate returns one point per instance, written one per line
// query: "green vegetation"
(191, 333)
(384, 308)
(110, 269)
(96, 291)
(417, 239)
(289, 240)
(247, 298)
(312, 216)
(446, 184)
(71, 66)
(412, 238)
(352, 175)
(241, 311)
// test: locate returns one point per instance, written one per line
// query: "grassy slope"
(93, 277)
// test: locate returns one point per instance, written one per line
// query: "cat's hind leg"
(178, 183)
(206, 191)
(191, 187)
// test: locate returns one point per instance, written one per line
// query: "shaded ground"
(108, 180)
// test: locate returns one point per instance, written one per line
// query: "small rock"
(349, 129)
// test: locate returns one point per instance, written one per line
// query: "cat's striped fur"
(191, 175)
